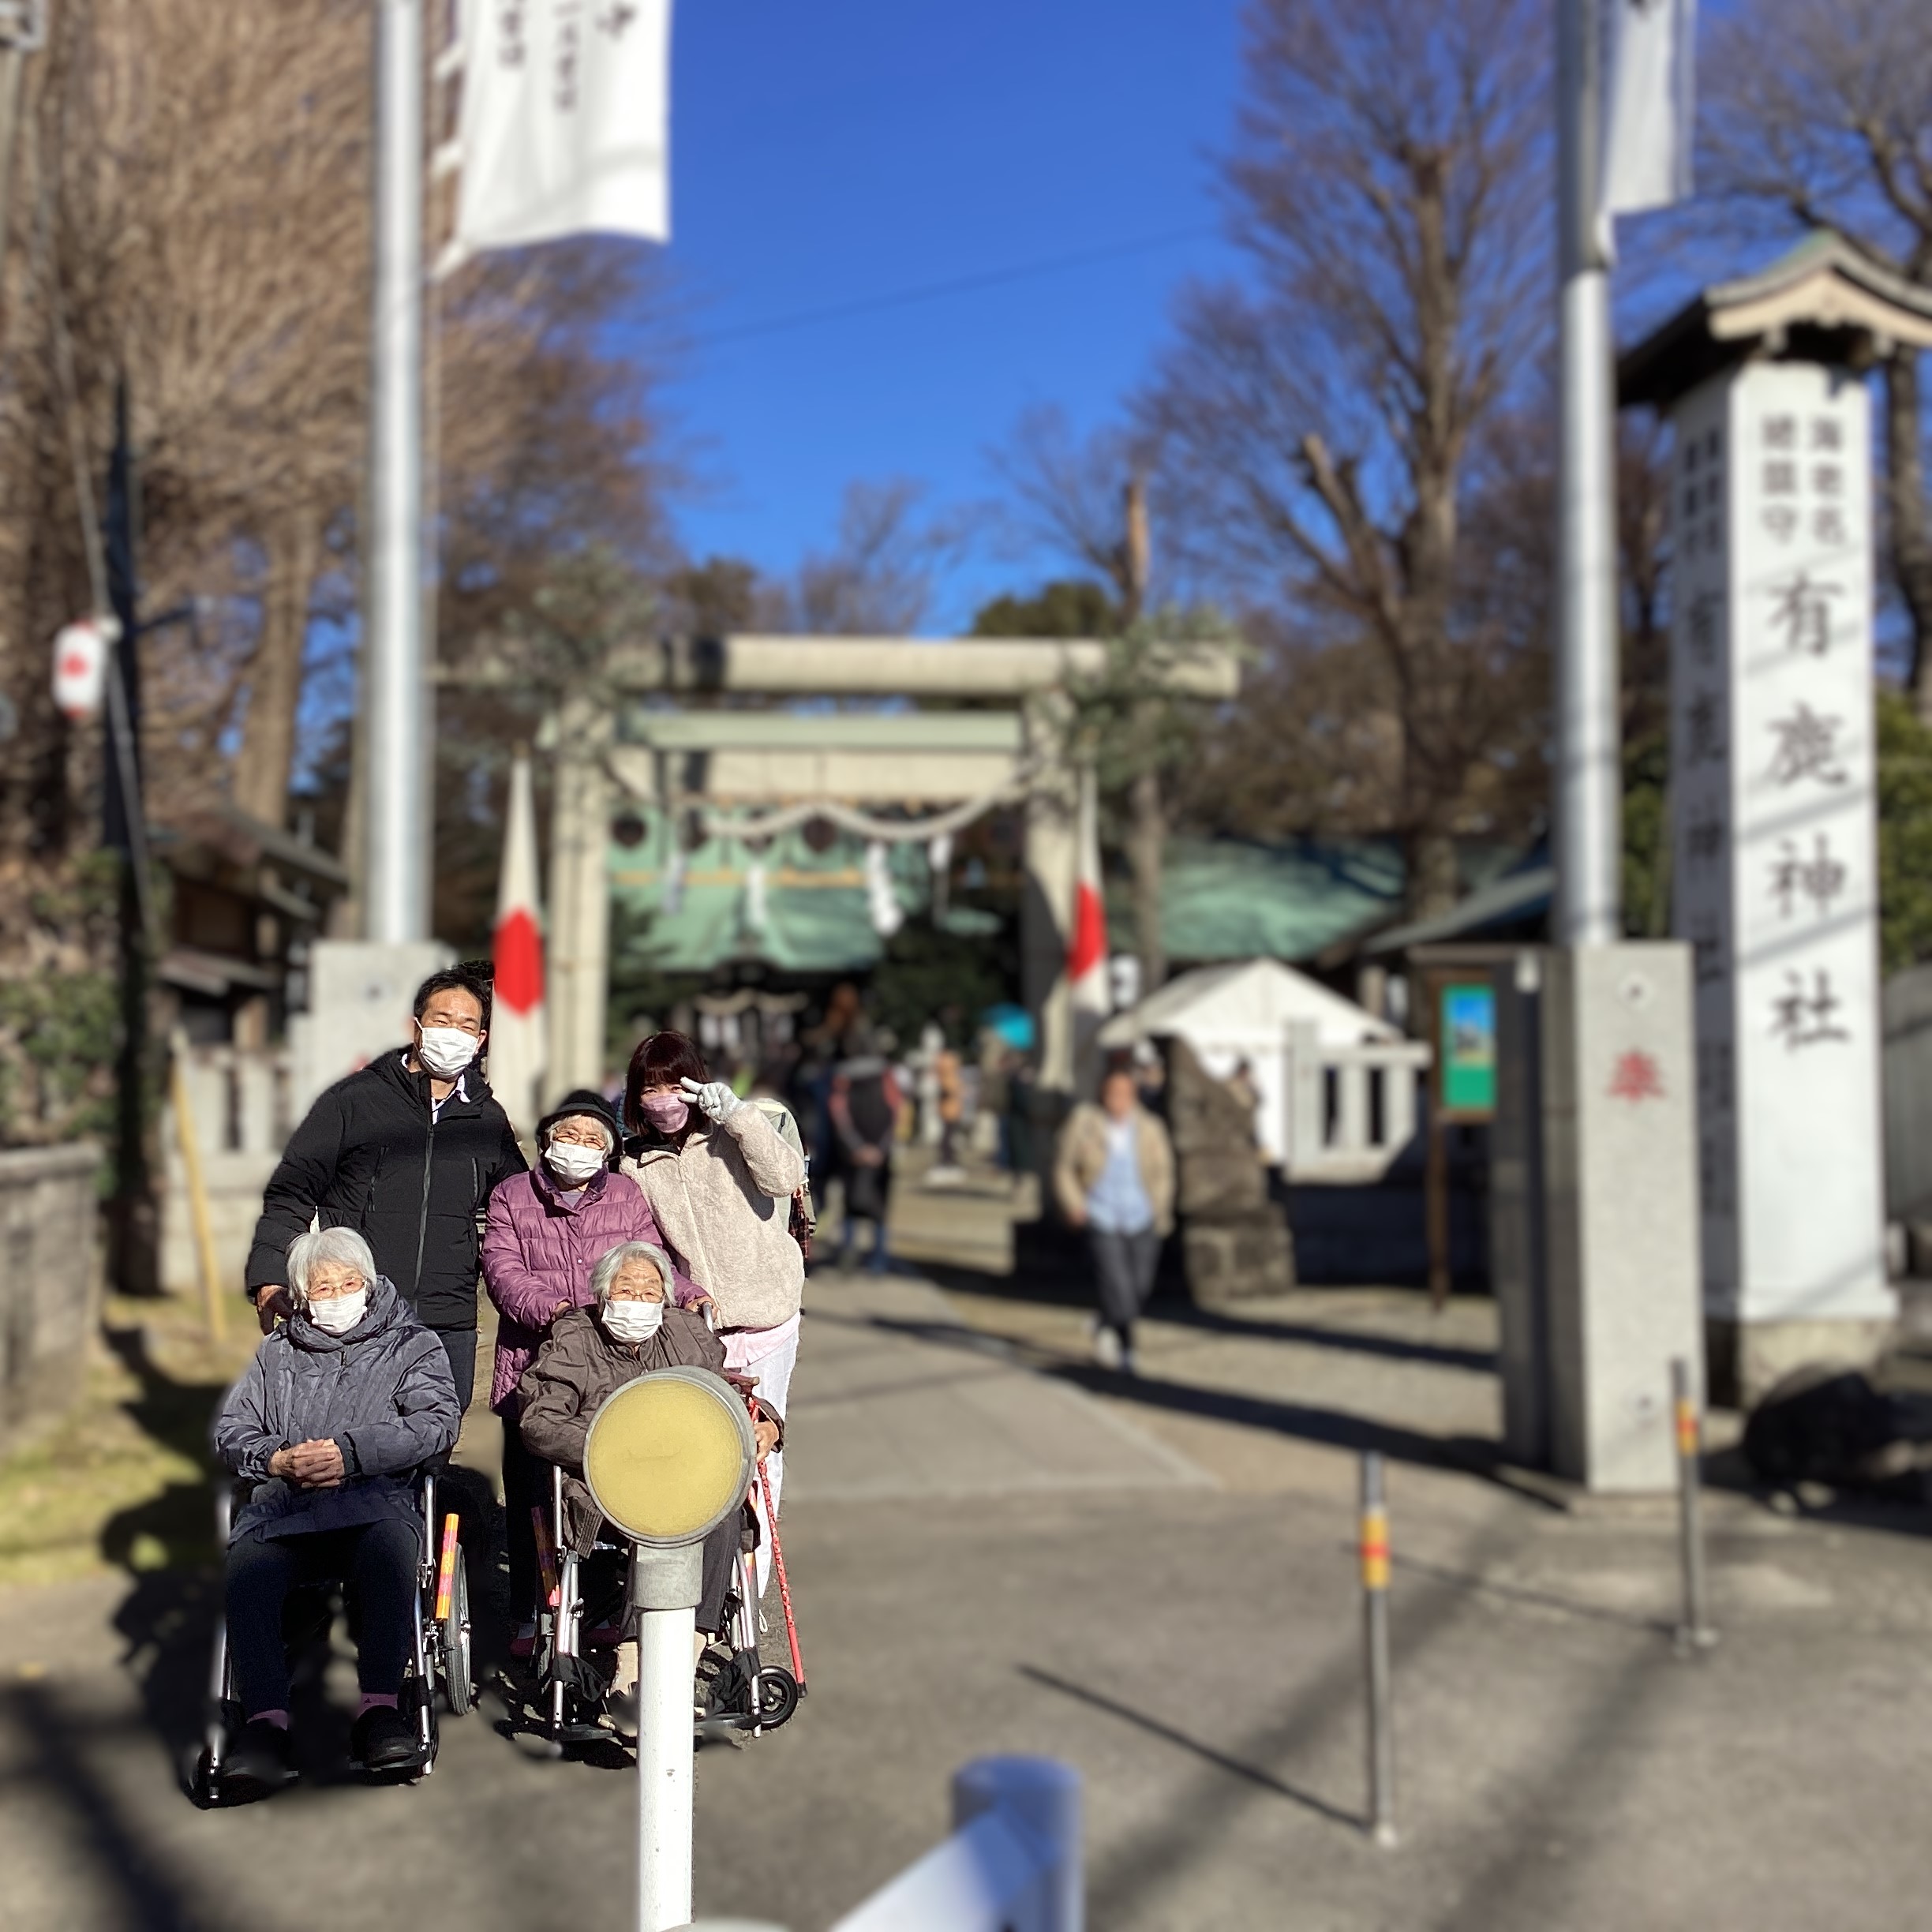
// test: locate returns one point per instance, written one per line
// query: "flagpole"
(1588, 776)
(393, 686)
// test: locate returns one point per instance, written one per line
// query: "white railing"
(1350, 1110)
(1013, 1863)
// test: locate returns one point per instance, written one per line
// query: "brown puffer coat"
(579, 1366)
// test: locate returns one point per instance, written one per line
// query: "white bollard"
(1043, 1797)
(666, 1584)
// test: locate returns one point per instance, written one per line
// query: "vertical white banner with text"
(1773, 794)
(565, 121)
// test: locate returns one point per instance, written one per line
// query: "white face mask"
(340, 1313)
(445, 1050)
(633, 1321)
(571, 1164)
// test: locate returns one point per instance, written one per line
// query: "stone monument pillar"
(1774, 781)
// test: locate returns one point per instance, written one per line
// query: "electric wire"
(956, 285)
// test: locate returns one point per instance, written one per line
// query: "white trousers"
(768, 1355)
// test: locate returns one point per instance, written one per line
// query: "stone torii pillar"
(1773, 787)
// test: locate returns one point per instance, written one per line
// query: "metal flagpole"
(1588, 789)
(393, 686)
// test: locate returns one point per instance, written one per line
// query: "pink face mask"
(665, 1112)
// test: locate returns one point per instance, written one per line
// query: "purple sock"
(279, 1718)
(372, 1698)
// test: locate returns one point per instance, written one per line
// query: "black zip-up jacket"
(370, 1157)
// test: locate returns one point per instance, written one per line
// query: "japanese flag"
(1650, 113)
(518, 1046)
(1087, 949)
(564, 124)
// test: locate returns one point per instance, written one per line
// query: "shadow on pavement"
(119, 1858)
(1393, 1347)
(1334, 1427)
(1051, 1268)
(1221, 1761)
(1192, 1831)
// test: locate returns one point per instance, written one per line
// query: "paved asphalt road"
(995, 1550)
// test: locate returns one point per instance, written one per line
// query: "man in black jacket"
(406, 1152)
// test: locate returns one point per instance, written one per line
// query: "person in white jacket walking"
(720, 1183)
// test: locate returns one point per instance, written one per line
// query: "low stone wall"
(49, 1280)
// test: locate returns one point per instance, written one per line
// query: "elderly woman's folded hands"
(311, 1465)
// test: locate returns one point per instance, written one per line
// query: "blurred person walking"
(722, 1183)
(1113, 1176)
(544, 1233)
(407, 1152)
(864, 1110)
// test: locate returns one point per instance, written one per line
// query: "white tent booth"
(1337, 1086)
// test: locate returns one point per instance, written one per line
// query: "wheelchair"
(583, 1611)
(439, 1652)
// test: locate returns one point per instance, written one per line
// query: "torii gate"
(758, 757)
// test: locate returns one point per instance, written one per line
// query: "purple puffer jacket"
(539, 1247)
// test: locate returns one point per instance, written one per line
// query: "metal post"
(1695, 1633)
(1589, 755)
(1375, 1574)
(394, 691)
(665, 1585)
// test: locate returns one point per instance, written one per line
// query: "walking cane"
(784, 1589)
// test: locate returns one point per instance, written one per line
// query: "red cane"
(784, 1589)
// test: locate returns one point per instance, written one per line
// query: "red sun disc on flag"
(1090, 945)
(518, 960)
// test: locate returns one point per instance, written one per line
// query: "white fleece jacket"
(723, 1203)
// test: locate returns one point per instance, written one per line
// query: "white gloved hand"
(712, 1098)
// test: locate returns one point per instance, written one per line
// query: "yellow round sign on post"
(670, 1455)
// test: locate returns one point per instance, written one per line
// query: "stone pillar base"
(1746, 1357)
(1228, 1259)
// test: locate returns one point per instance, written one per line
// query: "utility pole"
(124, 831)
(395, 739)
(1590, 777)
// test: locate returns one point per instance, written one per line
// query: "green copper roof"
(1222, 898)
(1228, 898)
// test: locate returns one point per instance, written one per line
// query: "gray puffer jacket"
(382, 1393)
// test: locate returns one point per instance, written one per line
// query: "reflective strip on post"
(1686, 1427)
(546, 1555)
(446, 1569)
(1375, 1548)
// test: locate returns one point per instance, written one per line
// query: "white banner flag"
(565, 126)
(1649, 114)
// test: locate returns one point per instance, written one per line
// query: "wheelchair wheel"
(459, 1681)
(778, 1696)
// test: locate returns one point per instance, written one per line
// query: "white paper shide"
(1774, 864)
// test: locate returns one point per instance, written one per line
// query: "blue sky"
(855, 149)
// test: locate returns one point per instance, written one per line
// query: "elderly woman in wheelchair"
(330, 1431)
(633, 1329)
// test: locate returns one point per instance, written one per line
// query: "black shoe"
(381, 1740)
(257, 1762)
